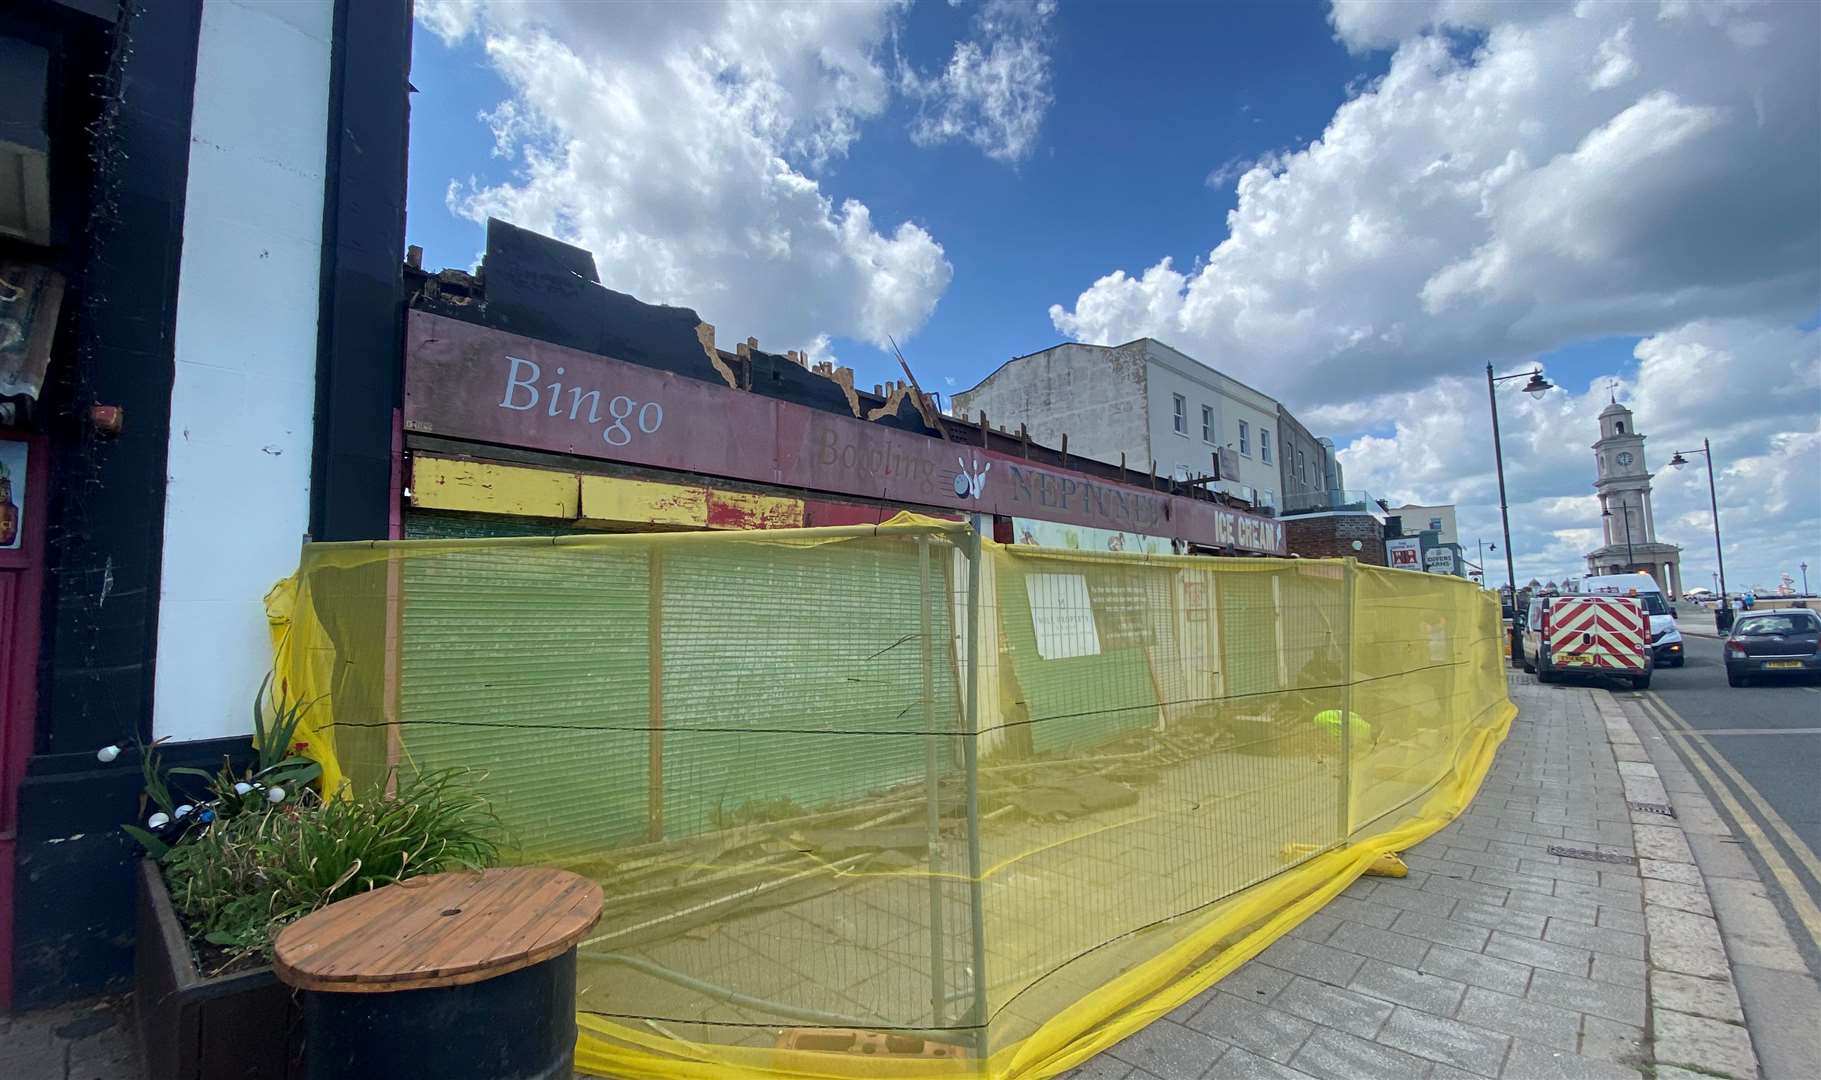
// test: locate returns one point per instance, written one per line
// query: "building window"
(1180, 418)
(1264, 444)
(1245, 439)
(1268, 498)
(1302, 465)
(1182, 474)
(1207, 424)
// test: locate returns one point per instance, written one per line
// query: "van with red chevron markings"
(1589, 634)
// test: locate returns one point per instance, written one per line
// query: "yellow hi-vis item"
(896, 801)
(1329, 721)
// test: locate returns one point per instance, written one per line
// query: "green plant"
(275, 738)
(241, 880)
(280, 772)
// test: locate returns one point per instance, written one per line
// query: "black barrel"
(517, 1026)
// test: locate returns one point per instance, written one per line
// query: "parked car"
(1581, 634)
(1773, 643)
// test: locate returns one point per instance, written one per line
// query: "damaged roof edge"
(539, 287)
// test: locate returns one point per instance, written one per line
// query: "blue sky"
(1149, 101)
(1608, 194)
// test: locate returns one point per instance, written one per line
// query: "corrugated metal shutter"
(489, 680)
(763, 702)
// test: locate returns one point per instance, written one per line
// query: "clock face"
(1624, 457)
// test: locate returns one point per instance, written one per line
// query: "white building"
(1437, 519)
(1146, 401)
(1627, 516)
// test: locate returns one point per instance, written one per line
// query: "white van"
(1665, 635)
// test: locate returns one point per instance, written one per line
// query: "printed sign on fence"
(1404, 554)
(1123, 614)
(1062, 614)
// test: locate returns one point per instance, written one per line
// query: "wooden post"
(654, 634)
(1153, 474)
(1024, 439)
(395, 632)
(1065, 448)
(983, 429)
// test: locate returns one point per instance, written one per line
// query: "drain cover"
(1653, 808)
(1591, 856)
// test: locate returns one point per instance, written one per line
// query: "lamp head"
(1538, 386)
(1678, 461)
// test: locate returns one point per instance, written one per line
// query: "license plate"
(1575, 660)
(1784, 665)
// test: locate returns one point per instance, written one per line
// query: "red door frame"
(19, 679)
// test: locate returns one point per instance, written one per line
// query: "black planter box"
(245, 1026)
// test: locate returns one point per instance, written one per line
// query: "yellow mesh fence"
(893, 801)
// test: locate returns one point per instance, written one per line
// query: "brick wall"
(1332, 536)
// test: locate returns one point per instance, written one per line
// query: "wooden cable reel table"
(452, 975)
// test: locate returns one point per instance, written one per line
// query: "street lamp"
(1536, 388)
(1721, 621)
(1804, 579)
(1631, 558)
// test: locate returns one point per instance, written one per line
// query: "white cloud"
(1753, 390)
(1528, 175)
(996, 88)
(680, 142)
(1486, 199)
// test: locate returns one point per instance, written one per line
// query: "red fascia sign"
(470, 382)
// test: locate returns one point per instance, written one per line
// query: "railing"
(1337, 500)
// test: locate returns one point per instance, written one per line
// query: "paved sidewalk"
(1494, 958)
(90, 1040)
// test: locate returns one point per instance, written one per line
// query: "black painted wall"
(361, 335)
(74, 894)
(105, 528)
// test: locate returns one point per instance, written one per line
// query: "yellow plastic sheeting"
(893, 802)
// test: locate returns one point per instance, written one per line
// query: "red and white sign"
(1404, 554)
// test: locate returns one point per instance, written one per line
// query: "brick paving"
(1493, 959)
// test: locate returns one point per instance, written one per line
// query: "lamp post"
(1805, 579)
(1536, 388)
(1723, 619)
(1631, 558)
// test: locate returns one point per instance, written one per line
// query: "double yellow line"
(1699, 752)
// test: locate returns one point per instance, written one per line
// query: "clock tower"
(1629, 520)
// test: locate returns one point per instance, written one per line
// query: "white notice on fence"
(1062, 616)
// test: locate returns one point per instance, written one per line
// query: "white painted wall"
(244, 396)
(1092, 393)
(1416, 518)
(1172, 372)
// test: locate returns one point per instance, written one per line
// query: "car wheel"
(1641, 682)
(1734, 680)
(1681, 661)
(1545, 675)
(1529, 668)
